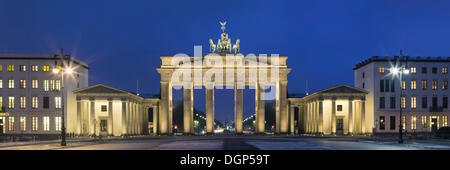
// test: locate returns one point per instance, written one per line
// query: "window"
(386, 82)
(392, 102)
(445, 102)
(403, 122)
(424, 70)
(424, 102)
(1, 67)
(434, 70)
(1, 83)
(403, 102)
(46, 85)
(381, 69)
(413, 84)
(413, 102)
(444, 85)
(382, 123)
(58, 102)
(424, 122)
(34, 84)
(424, 84)
(104, 108)
(1, 101)
(46, 123)
(363, 75)
(34, 68)
(392, 123)
(23, 102)
(45, 68)
(382, 103)
(392, 86)
(413, 70)
(413, 122)
(10, 67)
(57, 85)
(52, 85)
(381, 85)
(46, 102)
(444, 70)
(23, 84)
(403, 85)
(23, 68)
(11, 83)
(339, 107)
(444, 121)
(34, 104)
(34, 123)
(23, 123)
(11, 102)
(58, 123)
(434, 84)
(11, 123)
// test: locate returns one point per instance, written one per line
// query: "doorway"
(1, 126)
(434, 125)
(339, 126)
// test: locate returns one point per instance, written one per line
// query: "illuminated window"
(58, 102)
(413, 102)
(11, 102)
(34, 103)
(23, 68)
(381, 69)
(403, 122)
(34, 84)
(23, 84)
(23, 102)
(413, 122)
(46, 85)
(413, 70)
(403, 85)
(424, 84)
(444, 70)
(46, 123)
(444, 85)
(57, 85)
(23, 123)
(424, 122)
(403, 102)
(34, 123)
(52, 85)
(58, 123)
(1, 83)
(434, 84)
(382, 123)
(34, 68)
(1, 101)
(10, 67)
(11, 123)
(444, 121)
(1, 67)
(413, 84)
(11, 83)
(45, 68)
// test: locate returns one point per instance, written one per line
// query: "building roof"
(41, 57)
(342, 89)
(104, 89)
(397, 58)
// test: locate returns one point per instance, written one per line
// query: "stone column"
(164, 106)
(350, 116)
(284, 115)
(155, 120)
(79, 119)
(316, 116)
(170, 110)
(238, 108)
(321, 129)
(110, 117)
(188, 105)
(259, 108)
(333, 116)
(308, 117)
(292, 120)
(92, 125)
(363, 116)
(124, 117)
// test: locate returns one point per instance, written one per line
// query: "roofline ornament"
(224, 43)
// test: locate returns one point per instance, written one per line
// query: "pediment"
(99, 88)
(343, 89)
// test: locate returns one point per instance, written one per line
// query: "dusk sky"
(123, 40)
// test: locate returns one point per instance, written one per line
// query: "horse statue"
(212, 46)
(236, 46)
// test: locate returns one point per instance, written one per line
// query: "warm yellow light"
(55, 70)
(69, 71)
(394, 70)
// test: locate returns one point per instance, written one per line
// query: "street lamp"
(400, 71)
(61, 72)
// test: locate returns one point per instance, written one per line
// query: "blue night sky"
(123, 40)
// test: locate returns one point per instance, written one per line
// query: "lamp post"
(400, 71)
(61, 71)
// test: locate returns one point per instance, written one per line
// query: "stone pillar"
(259, 108)
(110, 117)
(124, 117)
(308, 117)
(333, 116)
(79, 119)
(238, 108)
(357, 118)
(284, 115)
(321, 129)
(164, 106)
(209, 94)
(155, 120)
(315, 113)
(188, 105)
(350, 116)
(363, 116)
(170, 110)
(92, 125)
(291, 119)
